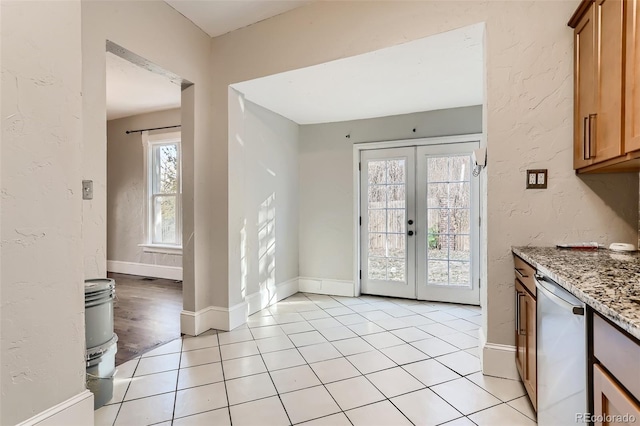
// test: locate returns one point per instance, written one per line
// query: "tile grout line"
(121, 403)
(224, 382)
(175, 394)
(274, 383)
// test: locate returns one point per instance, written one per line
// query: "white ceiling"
(217, 17)
(134, 90)
(437, 72)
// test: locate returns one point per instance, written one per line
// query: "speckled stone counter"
(607, 281)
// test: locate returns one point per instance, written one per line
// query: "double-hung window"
(163, 192)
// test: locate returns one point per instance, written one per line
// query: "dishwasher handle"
(542, 287)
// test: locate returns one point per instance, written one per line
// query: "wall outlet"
(537, 179)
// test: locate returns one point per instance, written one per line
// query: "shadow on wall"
(613, 189)
(267, 250)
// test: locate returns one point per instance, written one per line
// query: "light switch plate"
(87, 190)
(537, 179)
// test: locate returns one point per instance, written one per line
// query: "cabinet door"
(632, 78)
(612, 405)
(606, 124)
(526, 340)
(584, 87)
(531, 375)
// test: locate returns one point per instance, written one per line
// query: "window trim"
(148, 143)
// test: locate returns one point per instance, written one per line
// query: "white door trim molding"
(77, 410)
(357, 147)
(145, 270)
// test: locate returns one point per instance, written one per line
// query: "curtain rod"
(155, 128)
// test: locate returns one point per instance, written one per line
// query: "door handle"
(410, 233)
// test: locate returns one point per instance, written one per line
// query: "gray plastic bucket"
(98, 312)
(101, 366)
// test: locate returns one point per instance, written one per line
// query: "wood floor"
(146, 313)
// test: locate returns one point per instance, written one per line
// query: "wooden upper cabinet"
(608, 119)
(584, 83)
(632, 79)
(601, 46)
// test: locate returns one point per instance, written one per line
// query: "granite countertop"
(607, 281)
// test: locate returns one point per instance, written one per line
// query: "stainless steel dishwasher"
(561, 354)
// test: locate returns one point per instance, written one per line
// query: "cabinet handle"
(585, 129)
(520, 331)
(518, 294)
(593, 134)
(519, 272)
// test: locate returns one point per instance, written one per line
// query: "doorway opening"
(419, 217)
(426, 88)
(144, 202)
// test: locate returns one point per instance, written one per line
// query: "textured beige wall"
(42, 299)
(528, 120)
(156, 32)
(125, 188)
(263, 206)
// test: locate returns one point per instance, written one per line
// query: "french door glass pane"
(377, 268)
(377, 245)
(377, 196)
(448, 220)
(387, 204)
(396, 221)
(377, 220)
(164, 219)
(460, 273)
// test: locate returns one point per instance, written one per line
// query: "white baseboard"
(145, 270)
(216, 317)
(497, 360)
(75, 411)
(324, 286)
(268, 296)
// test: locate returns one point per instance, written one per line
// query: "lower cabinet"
(616, 375)
(526, 340)
(526, 359)
(612, 405)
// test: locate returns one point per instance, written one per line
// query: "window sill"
(160, 248)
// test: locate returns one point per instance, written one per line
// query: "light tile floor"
(322, 360)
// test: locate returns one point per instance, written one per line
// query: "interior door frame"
(357, 147)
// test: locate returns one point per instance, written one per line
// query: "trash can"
(98, 314)
(101, 367)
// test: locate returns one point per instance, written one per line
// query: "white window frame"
(148, 143)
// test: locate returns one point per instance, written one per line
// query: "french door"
(420, 223)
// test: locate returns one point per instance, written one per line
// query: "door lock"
(410, 222)
(410, 233)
